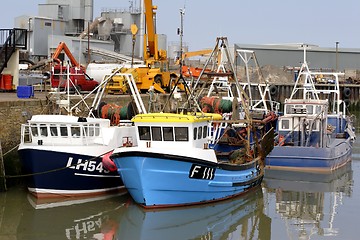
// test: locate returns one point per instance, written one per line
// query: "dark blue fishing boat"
(315, 133)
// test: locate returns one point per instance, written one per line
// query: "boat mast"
(308, 86)
(181, 33)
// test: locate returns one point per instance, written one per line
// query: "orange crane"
(62, 46)
(188, 71)
(194, 53)
(77, 74)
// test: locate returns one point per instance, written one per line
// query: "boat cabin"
(304, 123)
(68, 130)
(173, 130)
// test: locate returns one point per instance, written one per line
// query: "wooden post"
(2, 172)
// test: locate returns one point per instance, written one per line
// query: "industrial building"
(73, 22)
(291, 56)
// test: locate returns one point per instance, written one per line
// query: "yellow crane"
(156, 73)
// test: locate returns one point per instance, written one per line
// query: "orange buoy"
(108, 164)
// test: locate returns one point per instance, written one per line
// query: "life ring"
(273, 90)
(347, 92)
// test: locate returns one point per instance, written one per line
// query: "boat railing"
(216, 131)
(265, 105)
(100, 91)
(54, 134)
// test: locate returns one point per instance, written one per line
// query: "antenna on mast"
(181, 33)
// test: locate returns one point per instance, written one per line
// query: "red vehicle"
(78, 79)
(77, 75)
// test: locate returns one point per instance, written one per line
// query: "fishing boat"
(315, 133)
(222, 95)
(242, 217)
(67, 155)
(174, 163)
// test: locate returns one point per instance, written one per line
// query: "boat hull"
(165, 180)
(310, 158)
(62, 174)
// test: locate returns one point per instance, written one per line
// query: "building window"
(48, 24)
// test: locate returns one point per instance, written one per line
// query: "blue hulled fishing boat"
(315, 133)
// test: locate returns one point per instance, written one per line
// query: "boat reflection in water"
(72, 218)
(308, 202)
(238, 218)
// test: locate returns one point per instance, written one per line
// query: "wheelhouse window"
(195, 133)
(205, 132)
(181, 134)
(168, 134)
(53, 130)
(309, 109)
(63, 131)
(144, 133)
(75, 131)
(285, 124)
(318, 109)
(200, 133)
(34, 130)
(156, 133)
(97, 129)
(43, 130)
(289, 108)
(90, 130)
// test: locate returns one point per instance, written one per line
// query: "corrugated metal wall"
(283, 55)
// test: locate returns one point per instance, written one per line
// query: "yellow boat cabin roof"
(176, 117)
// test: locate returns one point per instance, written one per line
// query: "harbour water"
(287, 206)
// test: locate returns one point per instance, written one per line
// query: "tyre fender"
(273, 90)
(347, 92)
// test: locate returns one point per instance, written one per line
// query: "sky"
(319, 22)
